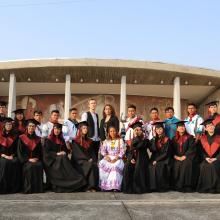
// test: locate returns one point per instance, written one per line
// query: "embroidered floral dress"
(111, 174)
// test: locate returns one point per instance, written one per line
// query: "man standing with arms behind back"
(93, 120)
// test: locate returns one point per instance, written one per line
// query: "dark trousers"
(95, 145)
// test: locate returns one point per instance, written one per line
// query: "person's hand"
(3, 155)
(108, 158)
(113, 161)
(9, 157)
(63, 153)
(90, 160)
(213, 159)
(209, 160)
(133, 161)
(154, 163)
(177, 158)
(183, 158)
(33, 160)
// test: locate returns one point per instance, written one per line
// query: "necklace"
(113, 144)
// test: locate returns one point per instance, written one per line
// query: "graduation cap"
(8, 120)
(136, 125)
(19, 111)
(57, 125)
(31, 121)
(83, 123)
(3, 103)
(207, 121)
(180, 123)
(212, 103)
(159, 124)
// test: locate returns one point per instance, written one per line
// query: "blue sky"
(182, 32)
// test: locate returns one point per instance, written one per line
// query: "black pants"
(95, 145)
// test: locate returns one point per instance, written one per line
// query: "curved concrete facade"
(103, 77)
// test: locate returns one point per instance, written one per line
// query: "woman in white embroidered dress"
(111, 166)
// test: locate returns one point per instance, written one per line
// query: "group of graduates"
(154, 156)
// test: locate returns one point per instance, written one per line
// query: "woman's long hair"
(112, 110)
(85, 141)
(177, 136)
(16, 121)
(57, 139)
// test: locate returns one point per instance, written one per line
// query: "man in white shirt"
(70, 126)
(93, 120)
(47, 127)
(38, 117)
(131, 119)
(193, 121)
(149, 127)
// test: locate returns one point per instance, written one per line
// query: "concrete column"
(67, 96)
(12, 95)
(177, 97)
(123, 97)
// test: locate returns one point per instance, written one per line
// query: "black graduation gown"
(10, 170)
(80, 160)
(19, 130)
(136, 176)
(185, 173)
(113, 121)
(209, 178)
(2, 119)
(62, 175)
(161, 172)
(32, 172)
(216, 122)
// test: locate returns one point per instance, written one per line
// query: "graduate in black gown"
(136, 171)
(30, 155)
(213, 114)
(84, 158)
(19, 121)
(3, 111)
(185, 165)
(160, 163)
(10, 167)
(62, 175)
(209, 178)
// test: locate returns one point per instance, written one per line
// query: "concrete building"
(61, 83)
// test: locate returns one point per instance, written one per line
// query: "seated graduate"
(209, 178)
(10, 167)
(185, 164)
(84, 158)
(111, 166)
(30, 155)
(160, 165)
(136, 171)
(62, 175)
(3, 113)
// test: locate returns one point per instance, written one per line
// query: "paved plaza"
(170, 206)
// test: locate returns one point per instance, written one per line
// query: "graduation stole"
(216, 120)
(31, 143)
(135, 119)
(161, 142)
(7, 141)
(210, 149)
(181, 140)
